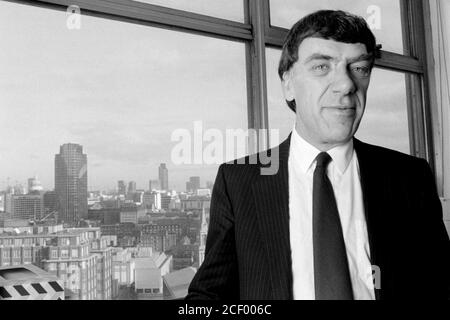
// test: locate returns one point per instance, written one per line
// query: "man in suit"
(340, 219)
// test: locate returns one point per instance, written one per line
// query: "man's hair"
(338, 25)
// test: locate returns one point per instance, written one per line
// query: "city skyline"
(143, 183)
(34, 181)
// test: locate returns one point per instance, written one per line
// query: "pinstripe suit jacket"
(248, 253)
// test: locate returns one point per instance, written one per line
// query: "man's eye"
(363, 71)
(321, 68)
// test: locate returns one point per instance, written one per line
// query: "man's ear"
(287, 86)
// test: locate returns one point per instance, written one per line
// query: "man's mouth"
(341, 107)
(342, 110)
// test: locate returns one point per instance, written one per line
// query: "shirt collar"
(304, 154)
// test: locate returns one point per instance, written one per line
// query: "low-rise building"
(148, 276)
(123, 266)
(28, 282)
(176, 283)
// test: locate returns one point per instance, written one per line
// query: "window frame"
(413, 63)
(257, 33)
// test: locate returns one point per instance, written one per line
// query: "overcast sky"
(120, 90)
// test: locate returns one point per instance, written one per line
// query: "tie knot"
(323, 159)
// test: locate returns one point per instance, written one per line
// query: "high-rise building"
(71, 183)
(121, 187)
(28, 206)
(193, 184)
(132, 187)
(50, 202)
(164, 177)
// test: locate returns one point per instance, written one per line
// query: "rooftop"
(23, 274)
(178, 282)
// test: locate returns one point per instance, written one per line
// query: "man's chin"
(340, 138)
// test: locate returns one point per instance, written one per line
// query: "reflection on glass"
(120, 91)
(280, 116)
(382, 15)
(384, 123)
(385, 120)
(230, 9)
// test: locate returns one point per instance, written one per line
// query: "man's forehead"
(332, 48)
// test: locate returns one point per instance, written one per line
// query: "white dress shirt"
(343, 172)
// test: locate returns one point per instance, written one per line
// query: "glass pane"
(119, 96)
(230, 9)
(280, 116)
(121, 91)
(385, 121)
(383, 16)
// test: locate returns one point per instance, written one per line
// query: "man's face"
(329, 83)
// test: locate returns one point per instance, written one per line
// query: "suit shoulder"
(392, 158)
(248, 167)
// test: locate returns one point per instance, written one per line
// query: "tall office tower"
(50, 202)
(121, 187)
(131, 187)
(71, 183)
(164, 177)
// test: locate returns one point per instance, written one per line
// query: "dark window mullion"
(414, 44)
(142, 13)
(256, 63)
(387, 60)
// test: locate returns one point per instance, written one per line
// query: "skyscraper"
(121, 187)
(132, 187)
(71, 183)
(164, 177)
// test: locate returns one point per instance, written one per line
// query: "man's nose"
(343, 83)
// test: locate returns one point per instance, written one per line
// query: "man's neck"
(321, 146)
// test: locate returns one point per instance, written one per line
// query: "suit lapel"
(271, 196)
(375, 191)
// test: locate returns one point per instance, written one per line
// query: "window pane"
(230, 9)
(121, 97)
(280, 116)
(383, 16)
(385, 121)
(121, 91)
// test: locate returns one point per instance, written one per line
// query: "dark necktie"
(331, 273)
